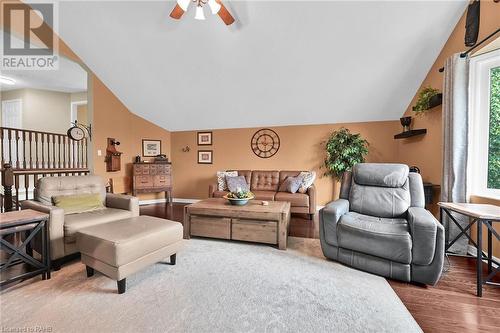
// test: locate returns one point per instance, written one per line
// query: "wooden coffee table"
(254, 222)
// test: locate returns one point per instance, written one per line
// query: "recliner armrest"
(330, 215)
(423, 229)
(56, 225)
(125, 202)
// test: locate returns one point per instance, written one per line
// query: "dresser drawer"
(161, 180)
(142, 182)
(137, 169)
(215, 227)
(164, 169)
(255, 231)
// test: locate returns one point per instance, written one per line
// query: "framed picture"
(151, 148)
(204, 138)
(205, 157)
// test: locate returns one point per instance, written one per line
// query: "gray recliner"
(380, 225)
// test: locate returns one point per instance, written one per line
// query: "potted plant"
(343, 150)
(239, 198)
(428, 98)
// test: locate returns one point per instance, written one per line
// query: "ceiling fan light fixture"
(214, 6)
(200, 15)
(184, 4)
(7, 80)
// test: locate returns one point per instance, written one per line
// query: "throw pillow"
(78, 203)
(235, 183)
(291, 184)
(308, 178)
(221, 179)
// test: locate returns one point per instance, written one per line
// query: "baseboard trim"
(176, 200)
(471, 250)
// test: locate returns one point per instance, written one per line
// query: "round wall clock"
(76, 133)
(265, 143)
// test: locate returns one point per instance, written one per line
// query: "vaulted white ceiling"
(281, 63)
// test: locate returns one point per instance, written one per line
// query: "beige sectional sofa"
(63, 227)
(265, 184)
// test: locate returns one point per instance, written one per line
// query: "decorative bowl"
(237, 201)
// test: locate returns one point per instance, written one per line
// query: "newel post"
(7, 183)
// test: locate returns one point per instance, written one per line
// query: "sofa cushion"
(295, 199)
(245, 173)
(290, 184)
(219, 194)
(237, 183)
(285, 174)
(308, 178)
(78, 203)
(387, 238)
(264, 195)
(265, 181)
(121, 242)
(221, 179)
(75, 222)
(380, 174)
(48, 187)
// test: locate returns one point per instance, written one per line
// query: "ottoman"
(123, 247)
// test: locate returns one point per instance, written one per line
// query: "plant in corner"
(427, 99)
(343, 150)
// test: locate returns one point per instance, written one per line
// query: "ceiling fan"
(216, 6)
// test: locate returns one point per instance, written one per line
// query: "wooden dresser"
(152, 178)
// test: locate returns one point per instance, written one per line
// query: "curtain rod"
(464, 54)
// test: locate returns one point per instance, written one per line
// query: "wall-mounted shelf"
(410, 133)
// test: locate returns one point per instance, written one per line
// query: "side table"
(480, 214)
(32, 223)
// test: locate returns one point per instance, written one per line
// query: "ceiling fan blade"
(225, 15)
(177, 12)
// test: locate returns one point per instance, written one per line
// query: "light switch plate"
(99, 152)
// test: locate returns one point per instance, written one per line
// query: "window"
(484, 125)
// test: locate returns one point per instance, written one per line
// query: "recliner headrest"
(380, 174)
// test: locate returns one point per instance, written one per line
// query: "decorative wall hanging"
(151, 148)
(265, 143)
(77, 131)
(113, 157)
(216, 7)
(204, 138)
(205, 156)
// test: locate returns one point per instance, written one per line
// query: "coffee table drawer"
(255, 231)
(216, 227)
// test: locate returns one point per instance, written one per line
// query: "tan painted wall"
(300, 149)
(40, 105)
(426, 151)
(112, 119)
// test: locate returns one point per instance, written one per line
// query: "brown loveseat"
(265, 184)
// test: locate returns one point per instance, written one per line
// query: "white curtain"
(455, 138)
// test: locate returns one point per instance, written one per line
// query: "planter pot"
(238, 202)
(435, 100)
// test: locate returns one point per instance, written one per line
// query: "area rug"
(216, 286)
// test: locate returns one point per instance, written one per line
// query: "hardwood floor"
(450, 306)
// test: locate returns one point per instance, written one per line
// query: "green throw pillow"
(78, 203)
